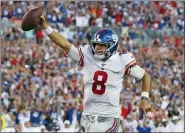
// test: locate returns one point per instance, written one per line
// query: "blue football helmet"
(106, 37)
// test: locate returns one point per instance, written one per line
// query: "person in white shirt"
(66, 126)
(43, 129)
(26, 127)
(129, 124)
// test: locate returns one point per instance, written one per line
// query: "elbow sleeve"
(137, 72)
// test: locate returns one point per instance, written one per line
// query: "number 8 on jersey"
(100, 78)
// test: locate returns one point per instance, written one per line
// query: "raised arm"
(54, 36)
(59, 40)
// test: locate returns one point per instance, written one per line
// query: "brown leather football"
(31, 19)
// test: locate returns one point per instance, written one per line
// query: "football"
(31, 19)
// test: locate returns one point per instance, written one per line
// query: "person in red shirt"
(39, 35)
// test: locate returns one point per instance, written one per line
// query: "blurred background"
(41, 87)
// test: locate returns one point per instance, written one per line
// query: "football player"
(104, 69)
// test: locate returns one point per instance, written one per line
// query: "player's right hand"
(43, 23)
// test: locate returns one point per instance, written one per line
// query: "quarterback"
(104, 69)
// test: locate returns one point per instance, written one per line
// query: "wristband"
(48, 31)
(145, 94)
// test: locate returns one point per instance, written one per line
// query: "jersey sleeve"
(81, 53)
(77, 55)
(74, 53)
(137, 72)
(130, 61)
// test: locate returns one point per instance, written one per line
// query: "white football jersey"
(103, 81)
(130, 126)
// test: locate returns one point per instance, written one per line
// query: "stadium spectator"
(66, 126)
(144, 128)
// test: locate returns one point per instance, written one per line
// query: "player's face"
(100, 49)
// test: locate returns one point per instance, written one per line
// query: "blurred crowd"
(144, 14)
(42, 87)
